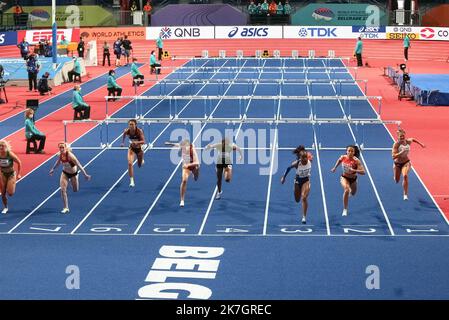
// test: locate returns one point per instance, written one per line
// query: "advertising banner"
(313, 32)
(168, 33)
(34, 36)
(8, 38)
(69, 16)
(339, 15)
(248, 32)
(111, 34)
(370, 32)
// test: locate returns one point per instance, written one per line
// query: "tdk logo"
(302, 32)
(318, 32)
(247, 32)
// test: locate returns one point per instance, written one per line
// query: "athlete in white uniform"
(224, 161)
(401, 161)
(70, 165)
(303, 166)
(190, 164)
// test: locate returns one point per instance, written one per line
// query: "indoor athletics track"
(113, 233)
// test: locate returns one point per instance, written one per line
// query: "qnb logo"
(303, 32)
(46, 35)
(427, 33)
(165, 33)
(248, 32)
(323, 32)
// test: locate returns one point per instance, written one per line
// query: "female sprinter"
(224, 161)
(190, 164)
(351, 166)
(70, 165)
(136, 140)
(303, 166)
(8, 175)
(402, 164)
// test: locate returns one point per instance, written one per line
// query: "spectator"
(272, 8)
(252, 8)
(147, 8)
(259, 8)
(32, 69)
(154, 64)
(133, 7)
(113, 88)
(106, 53)
(136, 74)
(159, 45)
(126, 44)
(264, 7)
(64, 41)
(32, 133)
(280, 9)
(117, 51)
(17, 13)
(76, 71)
(79, 105)
(24, 47)
(43, 85)
(2, 4)
(80, 48)
(287, 8)
(47, 49)
(41, 50)
(358, 52)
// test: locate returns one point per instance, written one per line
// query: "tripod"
(2, 88)
(405, 90)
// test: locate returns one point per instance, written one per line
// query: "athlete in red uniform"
(70, 165)
(190, 164)
(351, 166)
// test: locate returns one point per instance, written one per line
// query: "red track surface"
(428, 124)
(54, 129)
(17, 96)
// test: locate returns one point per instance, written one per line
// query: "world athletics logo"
(165, 33)
(325, 14)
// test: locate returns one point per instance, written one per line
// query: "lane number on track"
(296, 230)
(233, 230)
(359, 230)
(105, 229)
(421, 230)
(55, 229)
(169, 230)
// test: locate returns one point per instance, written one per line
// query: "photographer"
(43, 86)
(2, 85)
(33, 69)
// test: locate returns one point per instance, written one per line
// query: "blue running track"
(117, 235)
